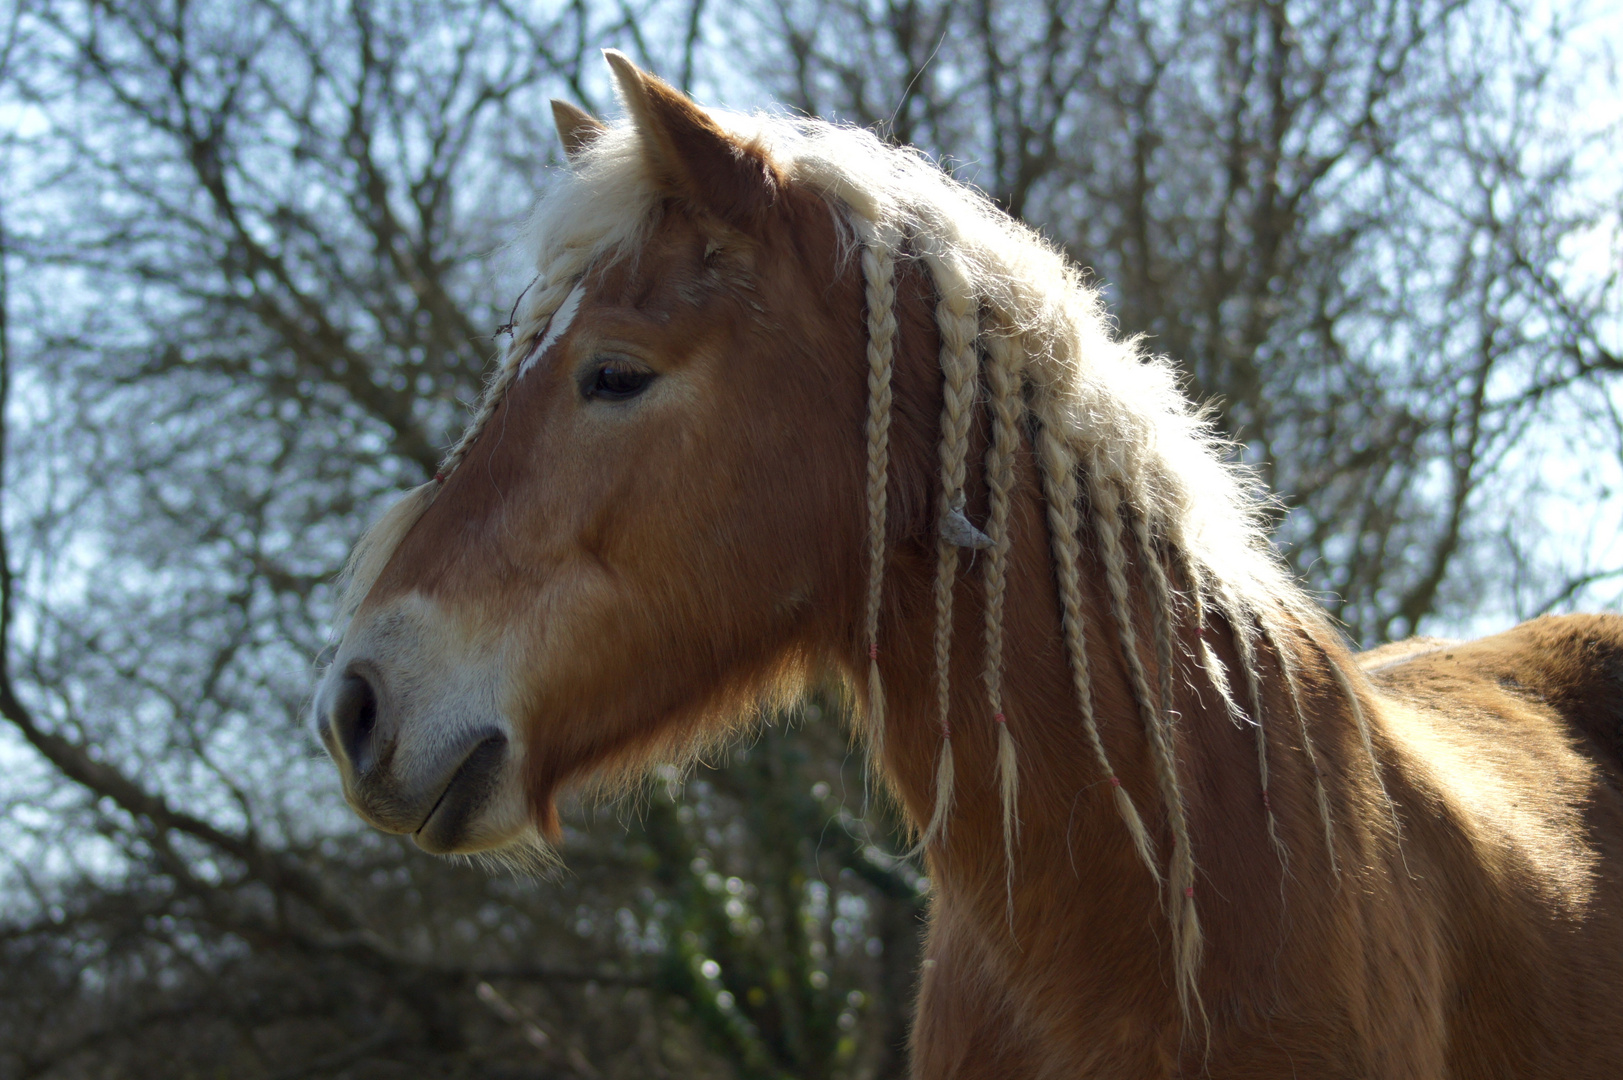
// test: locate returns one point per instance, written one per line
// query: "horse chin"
(479, 838)
(497, 827)
(475, 809)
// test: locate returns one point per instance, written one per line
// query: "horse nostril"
(353, 718)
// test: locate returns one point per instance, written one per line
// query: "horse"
(789, 407)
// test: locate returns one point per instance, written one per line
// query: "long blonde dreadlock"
(1004, 358)
(879, 281)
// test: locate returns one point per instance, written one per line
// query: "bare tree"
(252, 262)
(261, 244)
(1351, 224)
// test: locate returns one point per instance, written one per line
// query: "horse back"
(1568, 667)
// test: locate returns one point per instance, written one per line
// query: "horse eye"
(616, 380)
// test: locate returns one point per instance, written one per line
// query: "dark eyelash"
(615, 380)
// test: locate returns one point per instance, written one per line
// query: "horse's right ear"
(577, 128)
(689, 153)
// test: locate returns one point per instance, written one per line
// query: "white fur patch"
(555, 328)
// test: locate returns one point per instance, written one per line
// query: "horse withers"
(786, 405)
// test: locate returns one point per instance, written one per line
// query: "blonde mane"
(1120, 450)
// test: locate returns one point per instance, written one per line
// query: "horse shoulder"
(1511, 776)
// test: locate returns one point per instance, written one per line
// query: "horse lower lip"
(470, 787)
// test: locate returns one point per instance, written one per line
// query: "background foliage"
(251, 262)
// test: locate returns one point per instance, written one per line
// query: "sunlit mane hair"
(1124, 459)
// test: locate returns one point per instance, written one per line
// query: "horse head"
(656, 521)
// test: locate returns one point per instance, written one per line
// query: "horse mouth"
(449, 825)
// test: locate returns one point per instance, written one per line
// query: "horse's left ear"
(577, 128)
(689, 153)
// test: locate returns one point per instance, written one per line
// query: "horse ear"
(689, 153)
(577, 128)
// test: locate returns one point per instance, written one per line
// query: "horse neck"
(1066, 809)
(1074, 861)
(1074, 857)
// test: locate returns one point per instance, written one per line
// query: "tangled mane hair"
(1121, 453)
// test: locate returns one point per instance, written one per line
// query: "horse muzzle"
(437, 809)
(417, 754)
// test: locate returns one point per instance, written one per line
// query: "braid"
(956, 321)
(1241, 628)
(561, 276)
(1109, 513)
(1215, 669)
(1344, 681)
(879, 277)
(1161, 600)
(1242, 635)
(1005, 358)
(1287, 668)
(1057, 464)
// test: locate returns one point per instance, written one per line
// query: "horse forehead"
(673, 253)
(687, 258)
(669, 286)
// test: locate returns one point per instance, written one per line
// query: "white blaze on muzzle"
(416, 713)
